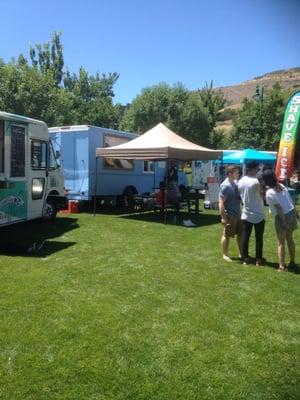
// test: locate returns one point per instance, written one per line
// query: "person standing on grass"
(285, 217)
(253, 213)
(230, 210)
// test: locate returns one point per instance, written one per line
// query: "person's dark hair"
(269, 178)
(252, 164)
(231, 168)
(162, 185)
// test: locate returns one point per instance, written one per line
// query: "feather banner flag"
(285, 165)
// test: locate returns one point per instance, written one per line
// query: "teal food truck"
(31, 182)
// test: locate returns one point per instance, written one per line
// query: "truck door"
(37, 176)
(13, 172)
(67, 159)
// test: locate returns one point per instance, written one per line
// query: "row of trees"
(42, 89)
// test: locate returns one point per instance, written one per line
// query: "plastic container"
(73, 206)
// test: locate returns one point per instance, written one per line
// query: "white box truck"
(31, 181)
(115, 178)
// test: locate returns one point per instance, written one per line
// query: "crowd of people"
(241, 205)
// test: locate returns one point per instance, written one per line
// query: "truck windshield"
(53, 161)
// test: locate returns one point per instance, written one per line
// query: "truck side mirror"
(57, 154)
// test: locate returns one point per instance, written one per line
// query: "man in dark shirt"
(230, 210)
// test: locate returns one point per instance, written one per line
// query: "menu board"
(17, 151)
(213, 188)
(1, 146)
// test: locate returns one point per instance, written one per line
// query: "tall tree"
(175, 106)
(213, 101)
(49, 57)
(44, 91)
(258, 123)
(92, 97)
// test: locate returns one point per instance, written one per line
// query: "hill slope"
(288, 79)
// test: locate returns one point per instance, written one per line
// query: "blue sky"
(148, 42)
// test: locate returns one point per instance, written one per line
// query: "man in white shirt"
(252, 213)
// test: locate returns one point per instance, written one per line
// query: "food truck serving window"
(17, 151)
(38, 154)
(2, 146)
(111, 140)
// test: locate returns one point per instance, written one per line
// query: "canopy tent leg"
(95, 186)
(244, 169)
(154, 173)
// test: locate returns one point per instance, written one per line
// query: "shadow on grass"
(266, 263)
(173, 218)
(47, 248)
(32, 238)
(295, 271)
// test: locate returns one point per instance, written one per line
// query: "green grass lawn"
(124, 307)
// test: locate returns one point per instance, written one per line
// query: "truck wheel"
(50, 211)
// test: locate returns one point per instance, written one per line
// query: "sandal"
(282, 269)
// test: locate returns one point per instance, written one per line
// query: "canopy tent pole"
(165, 192)
(244, 168)
(95, 186)
(154, 173)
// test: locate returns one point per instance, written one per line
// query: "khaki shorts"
(291, 220)
(234, 226)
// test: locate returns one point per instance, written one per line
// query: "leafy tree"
(26, 91)
(42, 90)
(175, 106)
(92, 97)
(218, 139)
(213, 101)
(49, 57)
(258, 124)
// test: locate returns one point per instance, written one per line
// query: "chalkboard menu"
(17, 152)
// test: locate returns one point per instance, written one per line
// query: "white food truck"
(31, 181)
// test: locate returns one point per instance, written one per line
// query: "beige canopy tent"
(159, 143)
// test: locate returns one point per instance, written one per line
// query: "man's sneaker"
(246, 261)
(292, 264)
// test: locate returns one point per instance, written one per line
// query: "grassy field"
(125, 307)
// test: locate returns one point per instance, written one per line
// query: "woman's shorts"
(234, 227)
(291, 221)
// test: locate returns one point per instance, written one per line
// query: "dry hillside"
(288, 79)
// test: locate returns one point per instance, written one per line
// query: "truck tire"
(49, 211)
